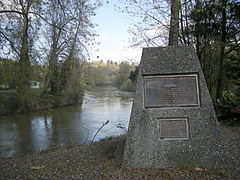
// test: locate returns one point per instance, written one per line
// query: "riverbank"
(11, 102)
(102, 160)
(26, 133)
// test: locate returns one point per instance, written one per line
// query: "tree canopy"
(52, 34)
(212, 27)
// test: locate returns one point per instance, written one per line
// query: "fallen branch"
(104, 124)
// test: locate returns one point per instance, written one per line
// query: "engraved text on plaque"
(171, 90)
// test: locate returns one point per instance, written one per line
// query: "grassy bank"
(11, 102)
(102, 160)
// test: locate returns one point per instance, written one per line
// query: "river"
(29, 133)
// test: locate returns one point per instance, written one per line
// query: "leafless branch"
(10, 42)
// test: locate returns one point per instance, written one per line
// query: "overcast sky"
(113, 36)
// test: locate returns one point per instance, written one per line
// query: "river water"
(29, 133)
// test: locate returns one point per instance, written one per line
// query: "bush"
(230, 107)
(127, 85)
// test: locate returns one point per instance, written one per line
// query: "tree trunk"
(52, 77)
(69, 62)
(197, 29)
(24, 61)
(53, 67)
(222, 51)
(174, 23)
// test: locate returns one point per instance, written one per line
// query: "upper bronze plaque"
(171, 90)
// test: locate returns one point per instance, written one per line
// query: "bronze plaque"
(171, 90)
(176, 128)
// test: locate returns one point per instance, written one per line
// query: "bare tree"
(152, 25)
(70, 29)
(15, 33)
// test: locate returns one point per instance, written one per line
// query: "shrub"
(127, 85)
(230, 107)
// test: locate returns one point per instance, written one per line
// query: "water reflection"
(32, 132)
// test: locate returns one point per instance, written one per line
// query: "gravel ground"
(101, 160)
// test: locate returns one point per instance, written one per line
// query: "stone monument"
(173, 120)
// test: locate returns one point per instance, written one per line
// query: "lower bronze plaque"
(171, 90)
(174, 128)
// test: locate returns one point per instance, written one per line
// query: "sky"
(113, 35)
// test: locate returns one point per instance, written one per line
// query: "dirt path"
(101, 160)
